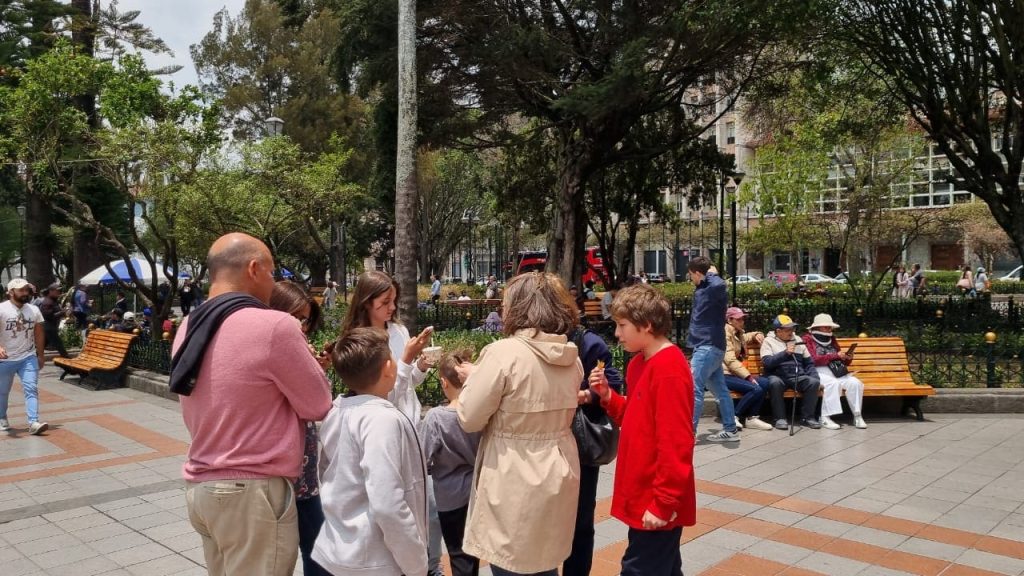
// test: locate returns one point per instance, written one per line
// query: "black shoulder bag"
(597, 437)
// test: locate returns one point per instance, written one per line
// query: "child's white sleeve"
(381, 462)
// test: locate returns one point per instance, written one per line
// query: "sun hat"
(734, 312)
(17, 284)
(783, 321)
(823, 320)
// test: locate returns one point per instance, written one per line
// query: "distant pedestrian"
(917, 280)
(21, 352)
(981, 283)
(52, 314)
(81, 307)
(246, 380)
(330, 295)
(435, 288)
(186, 297)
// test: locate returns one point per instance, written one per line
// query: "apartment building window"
(730, 132)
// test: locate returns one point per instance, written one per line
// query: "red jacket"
(655, 463)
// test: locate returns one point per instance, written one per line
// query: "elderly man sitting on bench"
(785, 355)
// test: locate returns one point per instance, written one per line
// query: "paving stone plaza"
(101, 493)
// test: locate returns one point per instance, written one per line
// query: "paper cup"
(432, 354)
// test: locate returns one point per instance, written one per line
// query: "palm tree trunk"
(405, 165)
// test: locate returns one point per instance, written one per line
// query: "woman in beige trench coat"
(523, 393)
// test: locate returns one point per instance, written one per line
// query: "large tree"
(589, 71)
(259, 67)
(959, 69)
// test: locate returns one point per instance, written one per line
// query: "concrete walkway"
(100, 493)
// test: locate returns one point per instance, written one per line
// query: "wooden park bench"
(102, 360)
(880, 363)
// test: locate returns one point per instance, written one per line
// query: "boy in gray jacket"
(373, 476)
(785, 355)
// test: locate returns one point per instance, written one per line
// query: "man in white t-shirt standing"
(21, 352)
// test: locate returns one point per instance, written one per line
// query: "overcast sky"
(180, 23)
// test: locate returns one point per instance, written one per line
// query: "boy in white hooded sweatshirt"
(373, 475)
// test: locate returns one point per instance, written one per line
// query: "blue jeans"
(706, 366)
(753, 394)
(27, 370)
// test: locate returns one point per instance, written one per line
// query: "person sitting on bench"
(831, 363)
(785, 355)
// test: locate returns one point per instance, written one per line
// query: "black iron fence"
(945, 337)
(149, 354)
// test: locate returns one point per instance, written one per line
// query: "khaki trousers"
(249, 526)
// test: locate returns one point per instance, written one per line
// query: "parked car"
(817, 279)
(1013, 276)
(783, 277)
(655, 278)
(743, 279)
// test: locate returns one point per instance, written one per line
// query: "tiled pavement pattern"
(101, 494)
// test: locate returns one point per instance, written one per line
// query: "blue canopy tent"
(101, 277)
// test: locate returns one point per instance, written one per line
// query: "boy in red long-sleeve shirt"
(654, 492)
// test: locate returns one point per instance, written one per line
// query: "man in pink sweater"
(250, 381)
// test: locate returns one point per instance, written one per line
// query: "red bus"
(533, 261)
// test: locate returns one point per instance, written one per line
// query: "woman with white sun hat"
(831, 363)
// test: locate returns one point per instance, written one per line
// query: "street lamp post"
(736, 178)
(274, 126)
(21, 249)
(721, 224)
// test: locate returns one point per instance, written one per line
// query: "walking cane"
(792, 416)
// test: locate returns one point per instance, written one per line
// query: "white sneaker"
(827, 422)
(739, 425)
(858, 421)
(37, 428)
(724, 436)
(755, 423)
(4, 425)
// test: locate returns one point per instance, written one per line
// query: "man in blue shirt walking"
(707, 339)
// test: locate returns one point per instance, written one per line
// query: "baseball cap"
(17, 284)
(129, 315)
(783, 321)
(734, 312)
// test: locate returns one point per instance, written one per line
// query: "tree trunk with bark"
(405, 165)
(38, 239)
(86, 248)
(566, 256)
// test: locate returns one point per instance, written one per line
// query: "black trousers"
(53, 340)
(806, 385)
(453, 528)
(653, 553)
(311, 519)
(582, 556)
